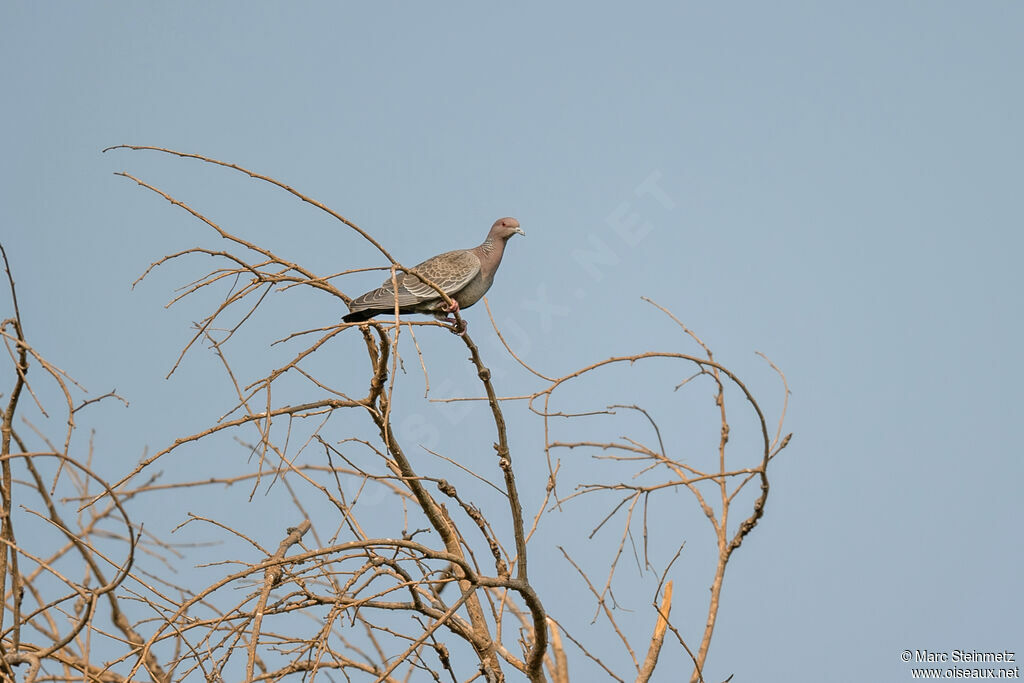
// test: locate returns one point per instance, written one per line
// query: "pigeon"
(465, 275)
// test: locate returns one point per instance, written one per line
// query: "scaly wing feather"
(451, 272)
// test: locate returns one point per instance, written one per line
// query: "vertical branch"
(658, 638)
(380, 411)
(560, 666)
(535, 660)
(721, 529)
(271, 578)
(6, 492)
(504, 459)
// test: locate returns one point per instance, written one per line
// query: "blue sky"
(838, 186)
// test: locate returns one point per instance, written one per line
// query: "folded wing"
(450, 271)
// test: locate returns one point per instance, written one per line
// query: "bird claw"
(456, 328)
(452, 321)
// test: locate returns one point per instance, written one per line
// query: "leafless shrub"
(437, 587)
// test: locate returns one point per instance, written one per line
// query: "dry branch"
(444, 593)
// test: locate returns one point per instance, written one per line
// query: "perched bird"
(464, 275)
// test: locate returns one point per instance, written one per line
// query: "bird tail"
(360, 316)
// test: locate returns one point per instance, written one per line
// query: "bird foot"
(455, 327)
(451, 309)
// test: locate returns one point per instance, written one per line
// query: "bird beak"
(520, 231)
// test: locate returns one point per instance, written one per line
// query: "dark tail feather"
(360, 316)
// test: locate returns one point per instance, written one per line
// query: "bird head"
(505, 228)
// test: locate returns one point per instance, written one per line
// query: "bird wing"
(451, 272)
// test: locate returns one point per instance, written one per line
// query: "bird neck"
(490, 245)
(490, 253)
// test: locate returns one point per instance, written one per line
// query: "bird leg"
(455, 328)
(451, 320)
